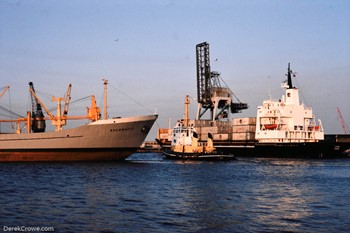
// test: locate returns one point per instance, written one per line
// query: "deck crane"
(210, 94)
(67, 100)
(342, 122)
(61, 118)
(4, 90)
(38, 121)
(35, 119)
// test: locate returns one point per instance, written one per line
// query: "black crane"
(208, 87)
(38, 121)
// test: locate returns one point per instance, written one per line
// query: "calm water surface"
(150, 194)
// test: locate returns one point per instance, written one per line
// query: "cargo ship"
(100, 139)
(281, 128)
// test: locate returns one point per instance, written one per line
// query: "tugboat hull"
(198, 157)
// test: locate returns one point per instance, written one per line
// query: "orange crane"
(93, 113)
(342, 122)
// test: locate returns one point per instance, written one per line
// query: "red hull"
(65, 155)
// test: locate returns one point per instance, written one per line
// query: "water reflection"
(154, 195)
(285, 194)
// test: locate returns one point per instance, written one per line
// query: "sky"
(146, 49)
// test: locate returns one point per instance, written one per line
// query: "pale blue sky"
(147, 50)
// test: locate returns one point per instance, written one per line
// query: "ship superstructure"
(287, 120)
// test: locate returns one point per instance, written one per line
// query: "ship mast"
(289, 75)
(187, 118)
(105, 83)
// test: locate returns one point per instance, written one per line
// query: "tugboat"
(185, 144)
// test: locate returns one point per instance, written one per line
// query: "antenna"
(269, 87)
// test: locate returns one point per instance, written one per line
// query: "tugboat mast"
(187, 118)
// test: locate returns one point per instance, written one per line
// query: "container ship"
(281, 128)
(100, 139)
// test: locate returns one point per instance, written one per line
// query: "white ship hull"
(112, 139)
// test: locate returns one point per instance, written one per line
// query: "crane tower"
(210, 94)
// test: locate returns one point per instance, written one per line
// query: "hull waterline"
(197, 157)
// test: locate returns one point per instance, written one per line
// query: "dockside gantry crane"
(210, 94)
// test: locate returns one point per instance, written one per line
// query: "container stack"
(164, 134)
(220, 130)
(243, 129)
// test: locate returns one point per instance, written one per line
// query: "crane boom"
(342, 122)
(52, 117)
(67, 100)
(3, 91)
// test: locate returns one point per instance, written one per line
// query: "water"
(150, 194)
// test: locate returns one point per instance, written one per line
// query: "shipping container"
(244, 121)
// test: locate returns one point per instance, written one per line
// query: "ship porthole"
(145, 129)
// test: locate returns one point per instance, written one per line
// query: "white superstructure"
(287, 120)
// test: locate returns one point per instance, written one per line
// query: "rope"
(137, 102)
(230, 90)
(73, 102)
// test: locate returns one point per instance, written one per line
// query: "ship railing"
(316, 127)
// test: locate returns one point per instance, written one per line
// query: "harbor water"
(148, 193)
